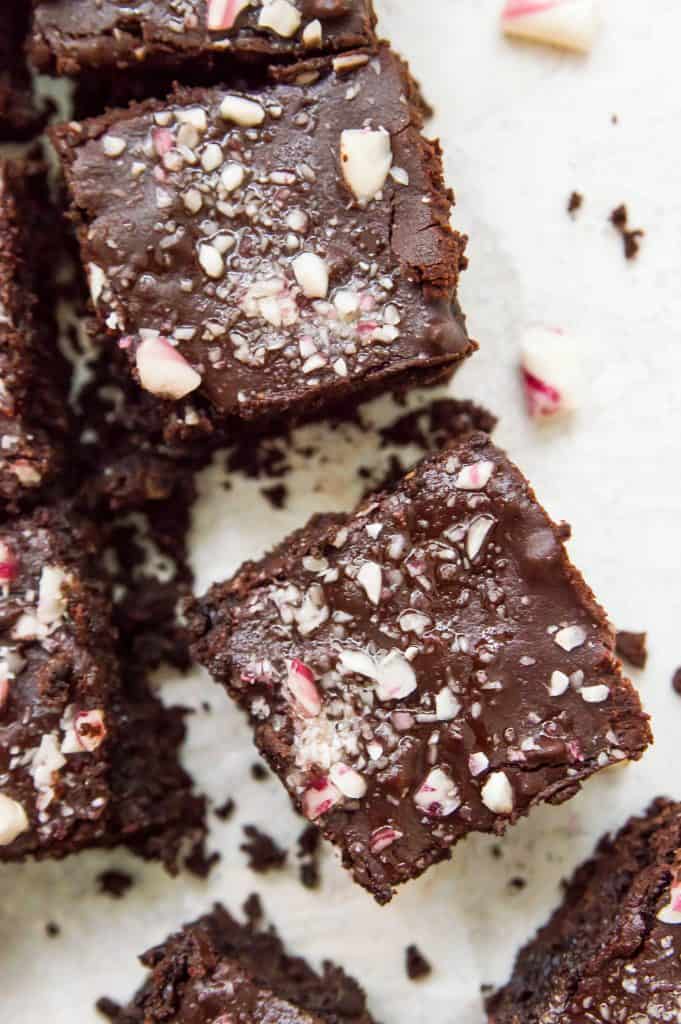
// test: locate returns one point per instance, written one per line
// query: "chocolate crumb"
(496, 852)
(225, 811)
(676, 681)
(632, 648)
(253, 910)
(619, 218)
(575, 202)
(517, 883)
(52, 929)
(115, 883)
(308, 853)
(417, 965)
(200, 863)
(259, 772)
(277, 495)
(262, 851)
(108, 1008)
(205, 706)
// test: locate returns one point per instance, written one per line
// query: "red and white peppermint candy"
(382, 838)
(437, 795)
(319, 798)
(222, 14)
(571, 24)
(163, 140)
(548, 371)
(301, 684)
(164, 371)
(9, 567)
(89, 729)
(351, 783)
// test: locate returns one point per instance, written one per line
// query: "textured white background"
(522, 126)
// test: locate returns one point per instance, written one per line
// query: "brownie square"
(277, 251)
(70, 37)
(19, 118)
(34, 419)
(85, 760)
(220, 969)
(428, 666)
(612, 951)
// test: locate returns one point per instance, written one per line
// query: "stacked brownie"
(265, 233)
(19, 118)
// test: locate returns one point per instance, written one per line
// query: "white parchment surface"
(522, 127)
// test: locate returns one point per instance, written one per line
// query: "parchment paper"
(522, 127)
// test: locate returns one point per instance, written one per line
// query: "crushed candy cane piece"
(350, 782)
(281, 17)
(477, 535)
(570, 24)
(475, 476)
(9, 567)
(370, 579)
(366, 158)
(497, 794)
(383, 837)
(13, 820)
(570, 637)
(478, 763)
(246, 113)
(671, 912)
(437, 795)
(547, 365)
(301, 683)
(312, 274)
(395, 678)
(222, 14)
(164, 371)
(319, 798)
(559, 684)
(594, 694)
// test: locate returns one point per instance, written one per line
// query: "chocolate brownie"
(219, 969)
(276, 251)
(19, 118)
(428, 666)
(73, 36)
(33, 376)
(84, 760)
(612, 951)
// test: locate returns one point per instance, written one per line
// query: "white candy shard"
(350, 782)
(477, 534)
(478, 763)
(281, 17)
(548, 367)
(321, 796)
(571, 24)
(437, 795)
(301, 683)
(447, 706)
(594, 694)
(51, 598)
(395, 678)
(359, 662)
(383, 837)
(312, 274)
(312, 34)
(164, 371)
(113, 145)
(232, 177)
(497, 794)
(559, 684)
(671, 913)
(97, 281)
(246, 113)
(570, 637)
(211, 261)
(370, 578)
(222, 14)
(13, 820)
(474, 477)
(366, 158)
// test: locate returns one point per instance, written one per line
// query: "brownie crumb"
(259, 772)
(253, 910)
(517, 883)
(308, 854)
(277, 495)
(417, 965)
(619, 218)
(115, 883)
(575, 202)
(52, 929)
(225, 811)
(205, 706)
(200, 863)
(262, 851)
(108, 1008)
(676, 681)
(632, 648)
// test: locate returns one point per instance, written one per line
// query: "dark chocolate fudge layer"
(72, 36)
(218, 968)
(19, 118)
(33, 376)
(429, 666)
(612, 951)
(58, 678)
(278, 250)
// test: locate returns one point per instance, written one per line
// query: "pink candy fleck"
(382, 838)
(402, 720)
(163, 140)
(9, 567)
(222, 14)
(319, 798)
(4, 692)
(301, 683)
(542, 399)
